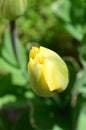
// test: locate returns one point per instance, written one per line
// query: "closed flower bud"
(47, 71)
(12, 9)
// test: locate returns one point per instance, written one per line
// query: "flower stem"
(13, 39)
(14, 45)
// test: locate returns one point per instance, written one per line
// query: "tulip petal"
(54, 70)
(37, 80)
(35, 70)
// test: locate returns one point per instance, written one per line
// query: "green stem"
(13, 39)
(14, 45)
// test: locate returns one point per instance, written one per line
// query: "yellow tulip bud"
(47, 71)
(12, 9)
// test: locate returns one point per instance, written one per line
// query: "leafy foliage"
(61, 26)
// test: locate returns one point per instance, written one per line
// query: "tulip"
(48, 72)
(12, 9)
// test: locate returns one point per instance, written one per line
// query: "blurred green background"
(61, 26)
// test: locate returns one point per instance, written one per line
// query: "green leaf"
(70, 14)
(22, 58)
(75, 31)
(81, 124)
(11, 96)
(57, 128)
(9, 63)
(62, 6)
(8, 92)
(81, 77)
(7, 50)
(81, 82)
(7, 99)
(82, 51)
(16, 73)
